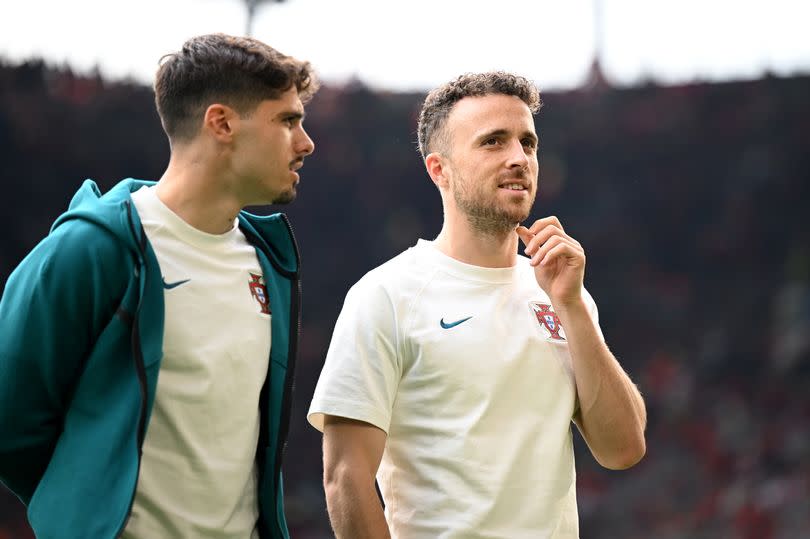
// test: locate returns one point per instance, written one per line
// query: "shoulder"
(83, 243)
(395, 279)
(78, 255)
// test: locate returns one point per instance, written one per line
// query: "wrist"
(570, 307)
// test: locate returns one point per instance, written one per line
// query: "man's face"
(271, 146)
(492, 157)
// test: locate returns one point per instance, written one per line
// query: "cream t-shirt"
(198, 476)
(468, 372)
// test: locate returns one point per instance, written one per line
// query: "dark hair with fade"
(236, 71)
(439, 102)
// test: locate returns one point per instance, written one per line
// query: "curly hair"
(439, 102)
(237, 71)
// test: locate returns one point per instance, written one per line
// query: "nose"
(304, 145)
(517, 157)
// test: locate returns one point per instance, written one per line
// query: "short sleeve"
(362, 370)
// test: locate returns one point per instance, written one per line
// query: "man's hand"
(558, 260)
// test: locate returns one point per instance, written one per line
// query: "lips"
(515, 185)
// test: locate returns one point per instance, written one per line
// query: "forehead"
(289, 101)
(472, 115)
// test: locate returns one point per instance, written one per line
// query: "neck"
(460, 240)
(193, 189)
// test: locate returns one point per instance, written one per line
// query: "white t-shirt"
(468, 372)
(198, 476)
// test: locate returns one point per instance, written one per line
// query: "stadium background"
(691, 202)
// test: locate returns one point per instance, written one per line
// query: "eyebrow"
(291, 115)
(504, 132)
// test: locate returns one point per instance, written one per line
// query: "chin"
(517, 215)
(285, 198)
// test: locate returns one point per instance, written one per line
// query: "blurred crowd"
(691, 203)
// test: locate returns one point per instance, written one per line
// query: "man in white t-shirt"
(153, 334)
(456, 368)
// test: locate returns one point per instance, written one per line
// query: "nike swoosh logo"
(445, 325)
(169, 286)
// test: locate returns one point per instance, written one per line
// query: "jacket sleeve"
(54, 305)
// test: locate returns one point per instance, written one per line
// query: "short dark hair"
(440, 102)
(237, 71)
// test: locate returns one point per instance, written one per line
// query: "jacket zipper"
(140, 368)
(295, 334)
(286, 403)
(292, 351)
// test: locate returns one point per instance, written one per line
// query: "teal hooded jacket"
(81, 338)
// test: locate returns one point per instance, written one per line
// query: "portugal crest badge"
(547, 318)
(259, 292)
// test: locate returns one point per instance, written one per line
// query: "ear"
(220, 121)
(436, 168)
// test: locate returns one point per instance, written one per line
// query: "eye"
(529, 143)
(490, 141)
(291, 121)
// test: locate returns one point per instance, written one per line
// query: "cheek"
(275, 152)
(534, 166)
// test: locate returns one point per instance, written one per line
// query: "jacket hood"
(109, 211)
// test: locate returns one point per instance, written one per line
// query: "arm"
(611, 415)
(352, 406)
(352, 451)
(53, 306)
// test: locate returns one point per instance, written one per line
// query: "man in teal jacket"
(147, 344)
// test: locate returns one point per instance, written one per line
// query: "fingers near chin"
(546, 247)
(524, 234)
(544, 222)
(561, 250)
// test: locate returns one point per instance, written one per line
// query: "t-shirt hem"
(348, 410)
